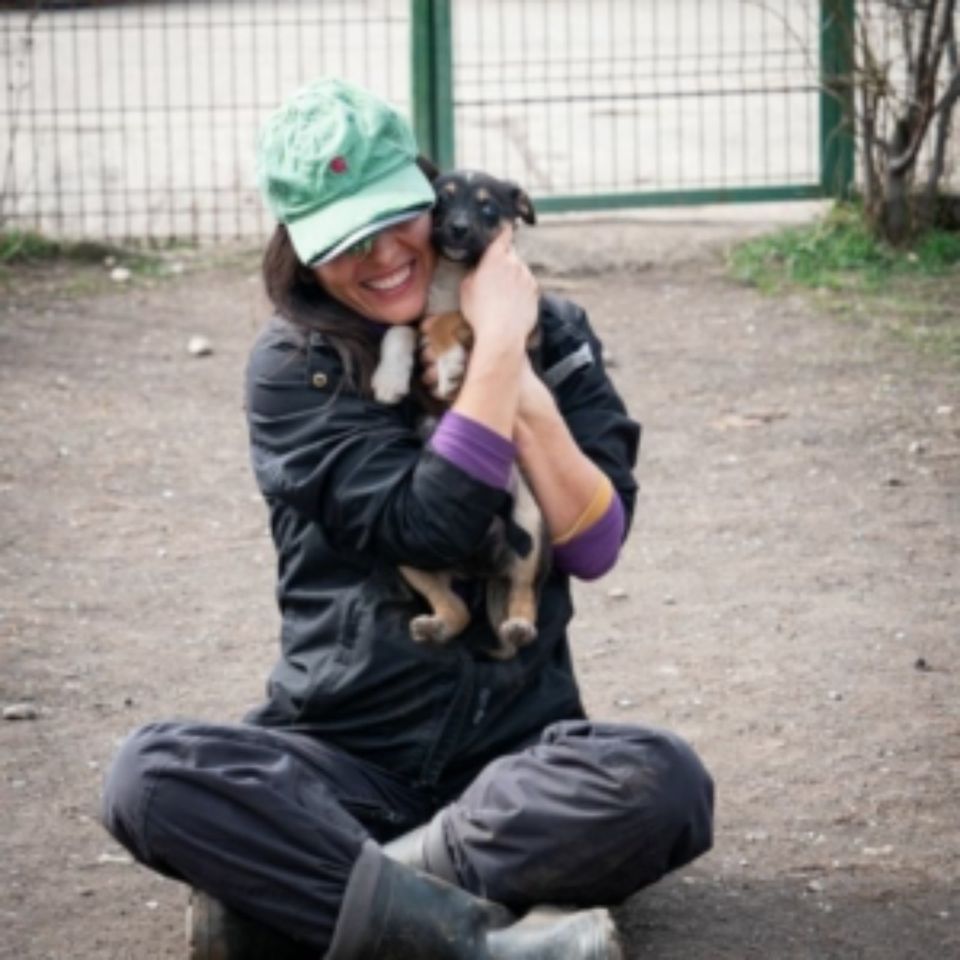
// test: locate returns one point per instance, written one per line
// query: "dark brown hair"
(298, 296)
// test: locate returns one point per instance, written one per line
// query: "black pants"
(271, 822)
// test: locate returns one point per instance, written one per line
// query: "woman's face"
(389, 283)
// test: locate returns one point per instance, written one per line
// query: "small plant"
(21, 249)
(909, 291)
(18, 246)
(840, 252)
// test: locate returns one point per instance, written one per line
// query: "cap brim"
(321, 235)
(366, 231)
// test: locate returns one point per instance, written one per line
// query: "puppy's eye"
(489, 211)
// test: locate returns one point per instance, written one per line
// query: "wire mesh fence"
(595, 97)
(134, 120)
(138, 119)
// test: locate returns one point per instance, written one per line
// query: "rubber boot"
(551, 933)
(551, 925)
(393, 912)
(214, 932)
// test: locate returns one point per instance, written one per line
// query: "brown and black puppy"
(471, 210)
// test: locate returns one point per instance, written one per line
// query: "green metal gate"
(602, 104)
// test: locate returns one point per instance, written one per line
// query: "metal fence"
(132, 120)
(612, 103)
(125, 120)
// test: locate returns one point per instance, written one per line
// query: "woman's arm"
(564, 480)
(583, 512)
(585, 515)
(576, 449)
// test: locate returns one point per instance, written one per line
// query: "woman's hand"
(500, 298)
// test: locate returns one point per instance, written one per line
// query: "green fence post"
(837, 37)
(431, 73)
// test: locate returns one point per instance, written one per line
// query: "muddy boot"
(555, 927)
(393, 912)
(550, 933)
(214, 932)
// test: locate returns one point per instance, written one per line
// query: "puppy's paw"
(516, 632)
(390, 384)
(429, 628)
(391, 379)
(451, 366)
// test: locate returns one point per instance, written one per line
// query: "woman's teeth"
(393, 280)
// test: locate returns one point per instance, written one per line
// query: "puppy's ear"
(522, 205)
(429, 169)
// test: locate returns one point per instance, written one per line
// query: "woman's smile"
(394, 281)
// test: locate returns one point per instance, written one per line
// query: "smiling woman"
(397, 795)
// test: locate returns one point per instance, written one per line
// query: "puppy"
(471, 210)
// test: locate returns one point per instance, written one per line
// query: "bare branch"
(923, 54)
(899, 164)
(944, 33)
(950, 95)
(922, 109)
(868, 131)
(944, 108)
(874, 84)
(906, 28)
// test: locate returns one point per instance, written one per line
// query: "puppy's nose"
(459, 229)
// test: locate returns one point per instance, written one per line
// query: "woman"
(390, 798)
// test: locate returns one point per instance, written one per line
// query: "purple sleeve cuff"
(475, 449)
(593, 552)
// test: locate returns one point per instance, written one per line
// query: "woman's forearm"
(490, 393)
(563, 479)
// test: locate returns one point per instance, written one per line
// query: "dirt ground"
(788, 600)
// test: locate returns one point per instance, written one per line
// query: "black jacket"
(352, 493)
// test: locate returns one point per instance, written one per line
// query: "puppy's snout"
(458, 229)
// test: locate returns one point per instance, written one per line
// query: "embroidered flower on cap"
(338, 165)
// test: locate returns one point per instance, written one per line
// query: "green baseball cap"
(335, 164)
